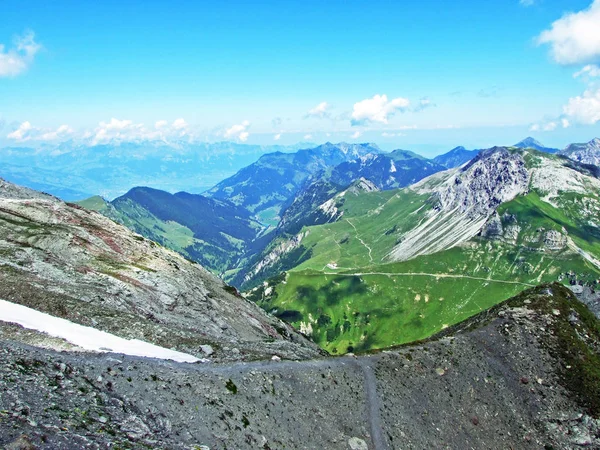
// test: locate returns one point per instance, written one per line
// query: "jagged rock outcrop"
(586, 153)
(463, 200)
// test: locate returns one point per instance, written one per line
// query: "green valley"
(350, 291)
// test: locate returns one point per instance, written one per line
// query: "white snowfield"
(86, 337)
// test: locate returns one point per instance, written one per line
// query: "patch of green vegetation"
(231, 387)
(347, 296)
(573, 333)
(95, 203)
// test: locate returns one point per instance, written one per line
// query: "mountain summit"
(530, 142)
(586, 153)
(455, 157)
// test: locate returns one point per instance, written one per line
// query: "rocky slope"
(73, 263)
(586, 153)
(522, 375)
(464, 201)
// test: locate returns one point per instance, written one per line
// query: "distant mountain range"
(267, 185)
(460, 155)
(238, 223)
(455, 157)
(75, 172)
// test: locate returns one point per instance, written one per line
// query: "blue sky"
(421, 75)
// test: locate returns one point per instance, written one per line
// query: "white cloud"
(591, 70)
(18, 59)
(320, 111)
(277, 137)
(534, 127)
(179, 124)
(112, 130)
(239, 132)
(565, 123)
(355, 135)
(550, 126)
(584, 109)
(308, 136)
(23, 133)
(377, 109)
(60, 133)
(120, 130)
(575, 38)
(527, 2)
(27, 132)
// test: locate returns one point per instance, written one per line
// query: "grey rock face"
(586, 153)
(493, 228)
(554, 240)
(73, 263)
(495, 176)
(464, 202)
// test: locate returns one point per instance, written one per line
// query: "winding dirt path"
(361, 241)
(419, 274)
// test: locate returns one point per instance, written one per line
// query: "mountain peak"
(455, 157)
(586, 153)
(362, 184)
(529, 142)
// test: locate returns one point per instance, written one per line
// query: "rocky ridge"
(73, 263)
(464, 199)
(586, 153)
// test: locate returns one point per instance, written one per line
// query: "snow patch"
(86, 337)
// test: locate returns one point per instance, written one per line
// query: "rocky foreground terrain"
(525, 374)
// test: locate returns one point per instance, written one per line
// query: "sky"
(426, 75)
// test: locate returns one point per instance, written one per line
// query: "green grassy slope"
(343, 291)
